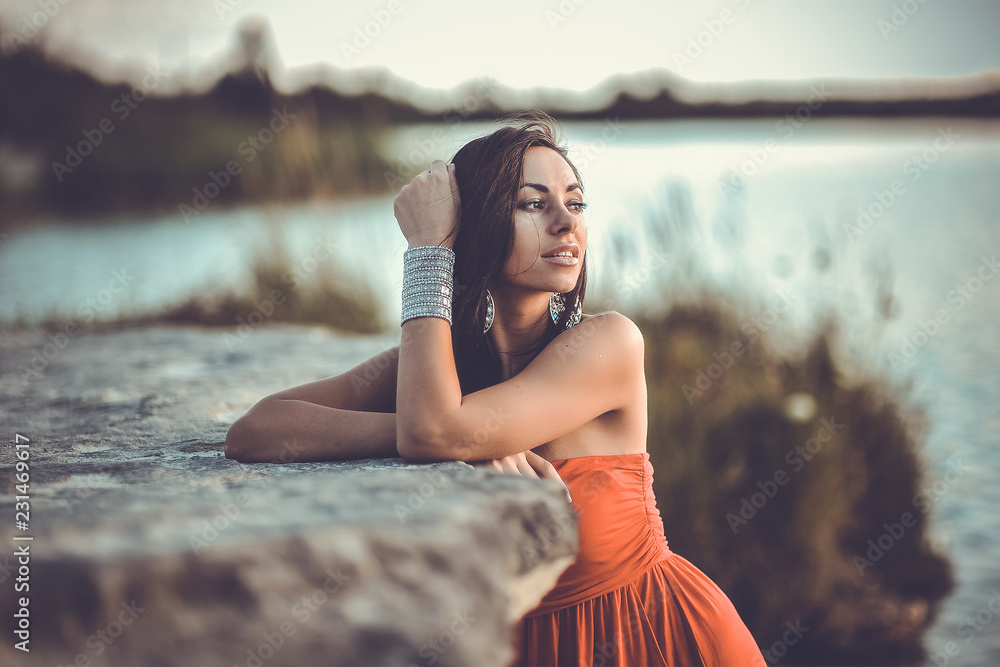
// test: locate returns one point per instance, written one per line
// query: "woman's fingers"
(545, 470)
(527, 464)
(428, 208)
(509, 464)
(487, 463)
(521, 461)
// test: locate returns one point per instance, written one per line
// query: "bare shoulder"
(609, 328)
(607, 339)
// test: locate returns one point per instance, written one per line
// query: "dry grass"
(326, 296)
(792, 558)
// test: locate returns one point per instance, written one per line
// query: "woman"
(498, 364)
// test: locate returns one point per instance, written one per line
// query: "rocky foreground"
(150, 547)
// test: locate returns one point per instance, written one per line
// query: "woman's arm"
(584, 372)
(349, 416)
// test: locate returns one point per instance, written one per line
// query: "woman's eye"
(578, 206)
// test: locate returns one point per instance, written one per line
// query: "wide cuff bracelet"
(427, 282)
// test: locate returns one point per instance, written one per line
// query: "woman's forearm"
(290, 431)
(428, 390)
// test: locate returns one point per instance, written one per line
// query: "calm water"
(756, 209)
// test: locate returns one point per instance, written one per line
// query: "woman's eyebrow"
(542, 188)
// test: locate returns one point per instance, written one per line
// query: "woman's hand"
(525, 463)
(428, 209)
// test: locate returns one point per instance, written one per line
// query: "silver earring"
(489, 311)
(557, 304)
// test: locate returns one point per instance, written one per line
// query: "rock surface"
(150, 547)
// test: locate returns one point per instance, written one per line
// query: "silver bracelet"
(427, 282)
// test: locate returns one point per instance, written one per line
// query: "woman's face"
(548, 220)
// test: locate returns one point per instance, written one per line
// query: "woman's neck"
(518, 326)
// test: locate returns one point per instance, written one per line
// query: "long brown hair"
(488, 171)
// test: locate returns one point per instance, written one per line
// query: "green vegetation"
(326, 297)
(774, 478)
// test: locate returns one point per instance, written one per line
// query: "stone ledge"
(152, 548)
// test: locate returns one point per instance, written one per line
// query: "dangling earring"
(557, 304)
(574, 317)
(489, 311)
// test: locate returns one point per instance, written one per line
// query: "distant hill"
(74, 145)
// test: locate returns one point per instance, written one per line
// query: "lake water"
(754, 207)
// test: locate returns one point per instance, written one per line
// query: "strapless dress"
(627, 599)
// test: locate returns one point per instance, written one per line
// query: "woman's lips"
(563, 260)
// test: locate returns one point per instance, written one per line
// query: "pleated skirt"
(671, 614)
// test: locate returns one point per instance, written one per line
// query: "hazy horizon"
(572, 45)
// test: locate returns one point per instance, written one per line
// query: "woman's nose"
(565, 221)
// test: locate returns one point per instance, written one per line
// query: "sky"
(565, 44)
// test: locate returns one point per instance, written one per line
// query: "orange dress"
(628, 599)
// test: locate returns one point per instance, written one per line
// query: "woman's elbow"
(421, 445)
(435, 452)
(240, 439)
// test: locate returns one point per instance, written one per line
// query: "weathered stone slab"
(150, 547)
